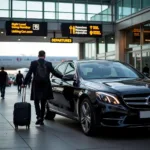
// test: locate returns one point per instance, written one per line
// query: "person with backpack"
(3, 82)
(41, 90)
(19, 81)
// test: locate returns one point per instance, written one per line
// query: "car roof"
(90, 60)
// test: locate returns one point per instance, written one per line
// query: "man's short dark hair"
(2, 68)
(42, 53)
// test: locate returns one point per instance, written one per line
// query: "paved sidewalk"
(61, 134)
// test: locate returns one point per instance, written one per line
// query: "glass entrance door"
(134, 59)
(145, 58)
(130, 58)
(138, 61)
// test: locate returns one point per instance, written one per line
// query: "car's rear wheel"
(49, 115)
(87, 117)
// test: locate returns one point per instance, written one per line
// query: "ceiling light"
(45, 37)
(2, 32)
(112, 38)
(19, 39)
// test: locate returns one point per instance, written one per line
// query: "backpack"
(41, 75)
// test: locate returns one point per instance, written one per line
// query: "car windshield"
(107, 70)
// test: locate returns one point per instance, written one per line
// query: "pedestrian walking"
(3, 81)
(41, 90)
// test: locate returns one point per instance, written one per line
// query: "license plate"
(144, 114)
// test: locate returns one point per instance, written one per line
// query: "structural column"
(141, 44)
(10, 8)
(120, 45)
(97, 46)
(81, 51)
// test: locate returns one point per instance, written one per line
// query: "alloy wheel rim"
(85, 117)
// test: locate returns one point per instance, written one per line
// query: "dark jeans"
(2, 90)
(40, 111)
(19, 88)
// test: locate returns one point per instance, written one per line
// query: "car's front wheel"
(49, 115)
(87, 117)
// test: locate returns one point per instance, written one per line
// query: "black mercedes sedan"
(100, 93)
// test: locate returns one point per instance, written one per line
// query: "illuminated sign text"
(81, 30)
(61, 40)
(26, 28)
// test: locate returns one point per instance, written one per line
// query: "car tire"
(49, 115)
(87, 117)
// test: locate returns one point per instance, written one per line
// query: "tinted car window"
(103, 70)
(61, 68)
(87, 70)
(70, 69)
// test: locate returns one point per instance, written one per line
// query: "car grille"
(137, 101)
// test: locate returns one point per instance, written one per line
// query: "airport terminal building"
(108, 100)
(104, 29)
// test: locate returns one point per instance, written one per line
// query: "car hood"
(123, 86)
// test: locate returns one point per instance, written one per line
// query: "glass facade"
(110, 43)
(4, 8)
(4, 4)
(90, 51)
(136, 6)
(102, 46)
(127, 7)
(65, 11)
(106, 49)
(138, 36)
(145, 3)
(105, 15)
(146, 33)
(133, 37)
(138, 46)
(85, 10)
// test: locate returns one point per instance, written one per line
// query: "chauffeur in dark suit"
(40, 93)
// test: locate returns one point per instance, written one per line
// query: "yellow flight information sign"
(81, 30)
(26, 28)
(61, 40)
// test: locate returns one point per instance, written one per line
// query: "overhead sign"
(25, 28)
(81, 30)
(61, 40)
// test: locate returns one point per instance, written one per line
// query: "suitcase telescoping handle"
(24, 95)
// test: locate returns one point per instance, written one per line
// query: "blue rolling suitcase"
(22, 112)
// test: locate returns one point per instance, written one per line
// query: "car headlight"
(107, 98)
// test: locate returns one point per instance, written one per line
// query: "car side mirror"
(51, 75)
